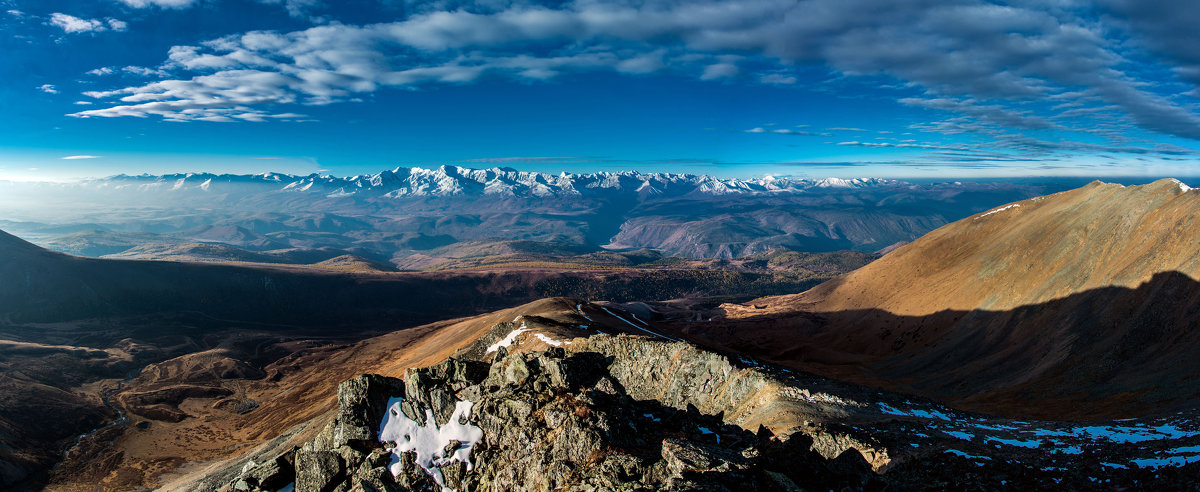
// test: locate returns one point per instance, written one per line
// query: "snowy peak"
(450, 181)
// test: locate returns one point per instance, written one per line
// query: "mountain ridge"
(1012, 310)
(448, 180)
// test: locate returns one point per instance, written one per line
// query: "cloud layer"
(977, 67)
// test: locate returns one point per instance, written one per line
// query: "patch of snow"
(968, 456)
(1131, 434)
(1016, 442)
(749, 362)
(610, 313)
(961, 435)
(1069, 450)
(508, 340)
(1001, 209)
(550, 341)
(927, 414)
(994, 427)
(429, 441)
(1182, 187)
(707, 431)
(579, 308)
(1167, 461)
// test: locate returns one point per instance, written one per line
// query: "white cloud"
(168, 4)
(74, 157)
(295, 8)
(777, 79)
(144, 71)
(71, 24)
(901, 145)
(786, 131)
(719, 71)
(100, 71)
(48, 88)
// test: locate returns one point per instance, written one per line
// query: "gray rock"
(561, 420)
(318, 471)
(362, 402)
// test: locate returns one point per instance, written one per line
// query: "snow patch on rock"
(508, 340)
(429, 441)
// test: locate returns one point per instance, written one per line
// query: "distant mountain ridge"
(393, 215)
(460, 181)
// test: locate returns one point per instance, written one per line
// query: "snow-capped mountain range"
(460, 181)
(389, 215)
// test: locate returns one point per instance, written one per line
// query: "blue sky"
(920, 88)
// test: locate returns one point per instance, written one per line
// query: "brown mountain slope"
(169, 454)
(1082, 304)
(72, 328)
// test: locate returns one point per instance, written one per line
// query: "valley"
(957, 355)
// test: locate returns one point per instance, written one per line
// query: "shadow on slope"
(1105, 353)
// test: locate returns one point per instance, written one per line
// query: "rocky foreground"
(527, 409)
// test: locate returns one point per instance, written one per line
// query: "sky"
(738, 88)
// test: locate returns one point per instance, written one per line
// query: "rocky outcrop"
(549, 420)
(635, 413)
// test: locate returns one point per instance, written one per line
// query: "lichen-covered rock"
(273, 474)
(552, 420)
(318, 471)
(361, 402)
(627, 413)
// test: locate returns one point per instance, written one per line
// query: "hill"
(1081, 304)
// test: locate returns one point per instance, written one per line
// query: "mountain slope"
(74, 331)
(1032, 251)
(566, 394)
(1033, 308)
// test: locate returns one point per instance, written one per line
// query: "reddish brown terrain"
(200, 339)
(190, 413)
(1082, 304)
(1079, 305)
